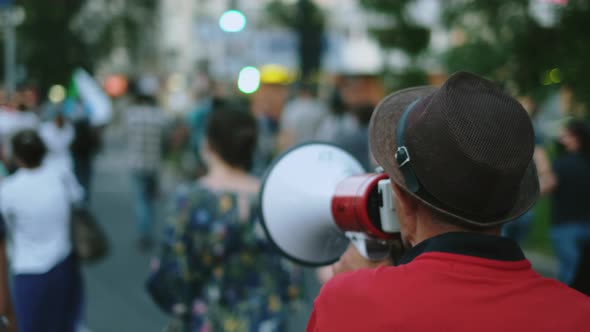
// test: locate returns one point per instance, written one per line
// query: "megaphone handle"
(379, 249)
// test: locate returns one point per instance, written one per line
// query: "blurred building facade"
(190, 35)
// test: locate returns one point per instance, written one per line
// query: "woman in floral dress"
(217, 271)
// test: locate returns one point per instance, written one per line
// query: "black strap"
(402, 155)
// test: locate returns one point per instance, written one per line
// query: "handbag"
(89, 240)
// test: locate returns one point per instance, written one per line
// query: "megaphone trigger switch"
(370, 248)
(387, 215)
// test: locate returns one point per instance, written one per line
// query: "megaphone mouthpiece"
(356, 203)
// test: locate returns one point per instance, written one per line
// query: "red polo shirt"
(452, 282)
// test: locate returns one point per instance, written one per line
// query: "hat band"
(402, 155)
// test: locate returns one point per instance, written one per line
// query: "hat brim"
(383, 145)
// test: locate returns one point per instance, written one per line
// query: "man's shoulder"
(362, 293)
(10, 180)
(563, 301)
(566, 295)
(365, 283)
(8, 185)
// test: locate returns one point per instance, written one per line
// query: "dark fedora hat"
(464, 149)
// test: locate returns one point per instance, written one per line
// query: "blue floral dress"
(217, 271)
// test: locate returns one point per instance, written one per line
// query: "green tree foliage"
(399, 31)
(52, 43)
(129, 25)
(573, 49)
(503, 41)
(47, 47)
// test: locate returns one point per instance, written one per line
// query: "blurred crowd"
(46, 152)
(214, 270)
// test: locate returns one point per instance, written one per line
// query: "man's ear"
(407, 204)
(407, 209)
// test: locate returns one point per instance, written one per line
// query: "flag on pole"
(96, 104)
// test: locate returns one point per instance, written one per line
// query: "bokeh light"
(249, 80)
(115, 85)
(552, 76)
(176, 82)
(57, 93)
(555, 75)
(232, 21)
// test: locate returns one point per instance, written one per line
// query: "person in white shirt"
(35, 203)
(58, 136)
(11, 122)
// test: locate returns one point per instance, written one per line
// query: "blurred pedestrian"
(29, 99)
(205, 97)
(570, 230)
(267, 146)
(197, 122)
(178, 155)
(301, 118)
(57, 135)
(3, 170)
(356, 142)
(144, 127)
(581, 281)
(84, 147)
(217, 270)
(7, 317)
(519, 228)
(338, 122)
(35, 203)
(13, 120)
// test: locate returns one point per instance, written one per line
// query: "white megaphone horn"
(316, 198)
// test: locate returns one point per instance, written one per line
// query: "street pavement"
(116, 300)
(115, 296)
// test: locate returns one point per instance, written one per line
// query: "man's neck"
(428, 228)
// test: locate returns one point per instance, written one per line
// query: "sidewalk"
(116, 299)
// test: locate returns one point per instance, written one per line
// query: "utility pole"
(7, 22)
(10, 17)
(310, 28)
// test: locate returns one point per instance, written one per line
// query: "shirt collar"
(468, 244)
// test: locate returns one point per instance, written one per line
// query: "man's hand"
(352, 260)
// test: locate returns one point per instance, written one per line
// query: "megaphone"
(316, 198)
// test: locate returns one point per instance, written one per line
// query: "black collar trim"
(468, 244)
